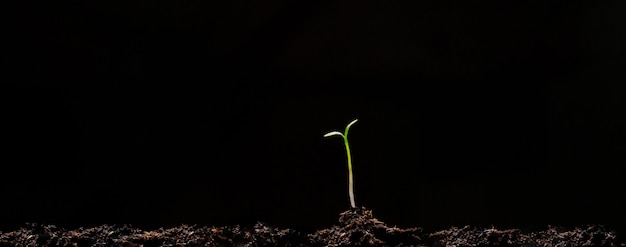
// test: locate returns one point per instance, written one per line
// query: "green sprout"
(345, 142)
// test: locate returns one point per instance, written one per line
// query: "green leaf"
(333, 133)
(348, 127)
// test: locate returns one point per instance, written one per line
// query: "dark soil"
(357, 227)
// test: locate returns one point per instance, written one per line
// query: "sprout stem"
(350, 178)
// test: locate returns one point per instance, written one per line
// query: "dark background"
(158, 113)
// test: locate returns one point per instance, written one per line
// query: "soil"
(357, 227)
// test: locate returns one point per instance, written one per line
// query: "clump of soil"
(357, 227)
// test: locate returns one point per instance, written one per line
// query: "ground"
(357, 227)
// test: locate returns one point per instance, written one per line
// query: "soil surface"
(357, 227)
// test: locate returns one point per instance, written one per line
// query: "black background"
(158, 113)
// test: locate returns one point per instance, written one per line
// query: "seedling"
(345, 142)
